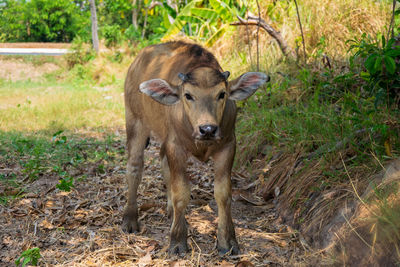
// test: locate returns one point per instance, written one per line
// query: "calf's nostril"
(213, 130)
(208, 130)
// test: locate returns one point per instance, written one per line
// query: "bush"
(132, 34)
(79, 53)
(380, 59)
(112, 35)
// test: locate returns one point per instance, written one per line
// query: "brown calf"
(178, 92)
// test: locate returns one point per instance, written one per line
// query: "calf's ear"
(160, 91)
(246, 85)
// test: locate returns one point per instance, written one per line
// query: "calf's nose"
(208, 130)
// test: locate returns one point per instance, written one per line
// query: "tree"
(93, 17)
(135, 12)
(42, 21)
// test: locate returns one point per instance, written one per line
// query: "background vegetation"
(333, 107)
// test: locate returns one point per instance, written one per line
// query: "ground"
(16, 70)
(82, 227)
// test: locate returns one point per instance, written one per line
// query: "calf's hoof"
(231, 249)
(178, 248)
(130, 223)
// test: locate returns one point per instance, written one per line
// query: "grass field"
(53, 104)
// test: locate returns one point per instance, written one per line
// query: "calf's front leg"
(179, 187)
(223, 161)
(136, 142)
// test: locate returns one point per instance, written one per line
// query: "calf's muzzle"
(208, 131)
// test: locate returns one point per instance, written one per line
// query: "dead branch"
(251, 20)
(153, 4)
(248, 38)
(301, 30)
(390, 33)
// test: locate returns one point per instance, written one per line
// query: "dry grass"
(374, 227)
(16, 70)
(334, 21)
(339, 21)
(312, 194)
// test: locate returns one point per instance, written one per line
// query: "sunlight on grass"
(54, 106)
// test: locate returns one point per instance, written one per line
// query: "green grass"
(324, 116)
(64, 105)
(57, 127)
(29, 256)
(65, 157)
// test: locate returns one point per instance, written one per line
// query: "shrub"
(380, 67)
(112, 35)
(79, 53)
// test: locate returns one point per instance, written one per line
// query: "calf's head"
(203, 93)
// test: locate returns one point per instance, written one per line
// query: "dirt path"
(82, 227)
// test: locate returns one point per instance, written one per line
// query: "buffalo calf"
(178, 92)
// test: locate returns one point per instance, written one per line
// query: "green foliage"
(29, 256)
(115, 13)
(12, 190)
(117, 57)
(55, 156)
(64, 21)
(112, 35)
(13, 16)
(33, 167)
(42, 21)
(329, 110)
(381, 61)
(132, 33)
(115, 21)
(206, 23)
(65, 183)
(79, 53)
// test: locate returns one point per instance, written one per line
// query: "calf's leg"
(223, 161)
(166, 175)
(137, 136)
(179, 187)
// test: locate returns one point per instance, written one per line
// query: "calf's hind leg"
(167, 178)
(137, 136)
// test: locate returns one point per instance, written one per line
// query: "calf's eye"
(221, 95)
(188, 97)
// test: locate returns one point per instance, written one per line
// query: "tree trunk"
(135, 12)
(93, 16)
(145, 21)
